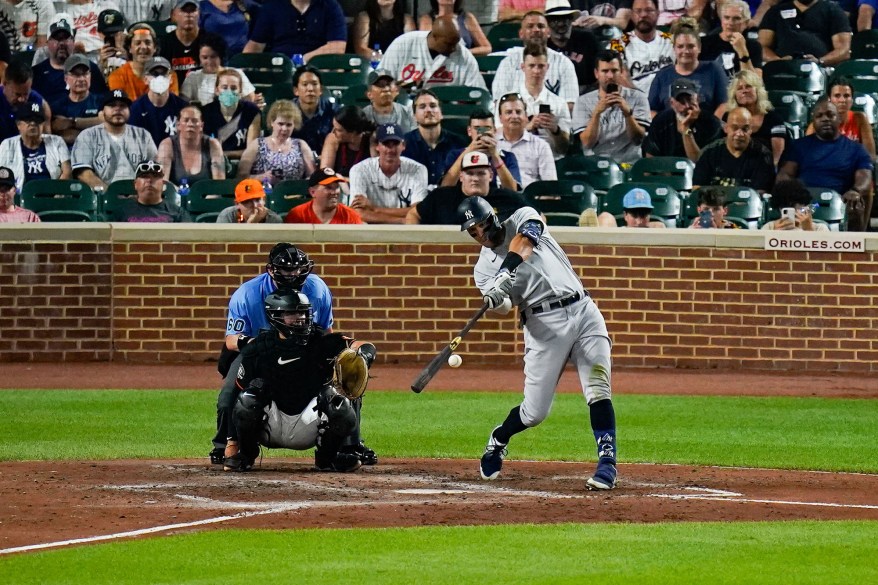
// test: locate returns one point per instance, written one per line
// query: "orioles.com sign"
(815, 242)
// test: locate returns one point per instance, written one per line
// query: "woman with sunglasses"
(748, 91)
(278, 157)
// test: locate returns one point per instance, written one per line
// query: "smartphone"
(483, 130)
(705, 219)
(612, 88)
(788, 213)
(110, 41)
(545, 109)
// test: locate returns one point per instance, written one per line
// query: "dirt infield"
(52, 504)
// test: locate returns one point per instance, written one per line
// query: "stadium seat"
(458, 102)
(831, 208)
(864, 45)
(801, 76)
(665, 200)
(286, 195)
(488, 66)
(745, 207)
(863, 74)
(601, 172)
(865, 103)
(562, 201)
(338, 72)
(208, 197)
(504, 35)
(673, 171)
(118, 192)
(264, 69)
(791, 107)
(60, 200)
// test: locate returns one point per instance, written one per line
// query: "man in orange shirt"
(142, 44)
(324, 206)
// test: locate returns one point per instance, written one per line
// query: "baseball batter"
(287, 394)
(288, 267)
(521, 264)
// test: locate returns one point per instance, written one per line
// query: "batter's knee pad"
(369, 352)
(340, 413)
(249, 415)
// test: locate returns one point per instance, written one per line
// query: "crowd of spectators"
(111, 90)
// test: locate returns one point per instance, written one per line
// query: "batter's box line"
(760, 501)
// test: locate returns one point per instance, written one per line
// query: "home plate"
(430, 492)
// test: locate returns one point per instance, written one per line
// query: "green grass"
(687, 554)
(786, 432)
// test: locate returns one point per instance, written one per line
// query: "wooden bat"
(442, 357)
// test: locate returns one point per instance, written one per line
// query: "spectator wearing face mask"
(159, 110)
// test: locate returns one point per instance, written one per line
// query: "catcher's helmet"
(475, 210)
(286, 258)
(289, 313)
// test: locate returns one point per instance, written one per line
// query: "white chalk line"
(759, 501)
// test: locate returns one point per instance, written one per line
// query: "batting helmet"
(475, 210)
(289, 313)
(286, 258)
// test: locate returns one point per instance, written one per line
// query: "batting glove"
(499, 290)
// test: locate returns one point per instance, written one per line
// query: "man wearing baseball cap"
(78, 109)
(250, 205)
(111, 151)
(141, 42)
(111, 28)
(636, 211)
(684, 128)
(17, 89)
(49, 73)
(383, 107)
(32, 154)
(476, 179)
(158, 110)
(182, 46)
(324, 206)
(9, 211)
(149, 206)
(385, 187)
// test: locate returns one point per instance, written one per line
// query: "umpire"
(288, 267)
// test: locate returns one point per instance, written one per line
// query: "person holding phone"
(794, 201)
(712, 210)
(548, 114)
(611, 120)
(481, 130)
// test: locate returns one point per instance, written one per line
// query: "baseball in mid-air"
(455, 360)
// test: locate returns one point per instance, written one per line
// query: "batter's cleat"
(217, 455)
(340, 462)
(492, 460)
(366, 455)
(604, 477)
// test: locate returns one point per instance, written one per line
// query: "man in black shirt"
(440, 205)
(684, 129)
(737, 160)
(181, 48)
(811, 29)
(729, 46)
(578, 45)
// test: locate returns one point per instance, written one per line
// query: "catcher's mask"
(289, 313)
(475, 212)
(289, 266)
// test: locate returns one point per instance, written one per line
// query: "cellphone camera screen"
(705, 219)
(482, 130)
(545, 109)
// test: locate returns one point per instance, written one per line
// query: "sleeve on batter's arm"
(532, 229)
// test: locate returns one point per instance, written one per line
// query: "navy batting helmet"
(475, 210)
(289, 312)
(289, 266)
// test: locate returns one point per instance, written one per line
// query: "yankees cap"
(387, 132)
(249, 189)
(30, 111)
(117, 95)
(475, 159)
(637, 199)
(61, 23)
(157, 62)
(7, 177)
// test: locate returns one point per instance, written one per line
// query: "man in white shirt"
(432, 59)
(26, 24)
(535, 159)
(385, 187)
(646, 50)
(561, 77)
(548, 114)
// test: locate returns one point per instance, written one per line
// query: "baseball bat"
(442, 357)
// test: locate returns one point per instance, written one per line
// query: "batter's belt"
(552, 305)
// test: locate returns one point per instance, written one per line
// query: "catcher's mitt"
(351, 373)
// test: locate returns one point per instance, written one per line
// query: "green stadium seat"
(339, 72)
(488, 66)
(286, 195)
(864, 45)
(673, 171)
(562, 201)
(118, 192)
(504, 35)
(601, 172)
(458, 102)
(264, 69)
(801, 76)
(791, 107)
(60, 200)
(208, 197)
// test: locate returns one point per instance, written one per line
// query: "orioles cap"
(249, 189)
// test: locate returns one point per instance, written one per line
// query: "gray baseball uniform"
(561, 323)
(112, 159)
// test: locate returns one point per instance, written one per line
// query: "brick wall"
(671, 299)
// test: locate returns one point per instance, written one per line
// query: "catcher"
(296, 384)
